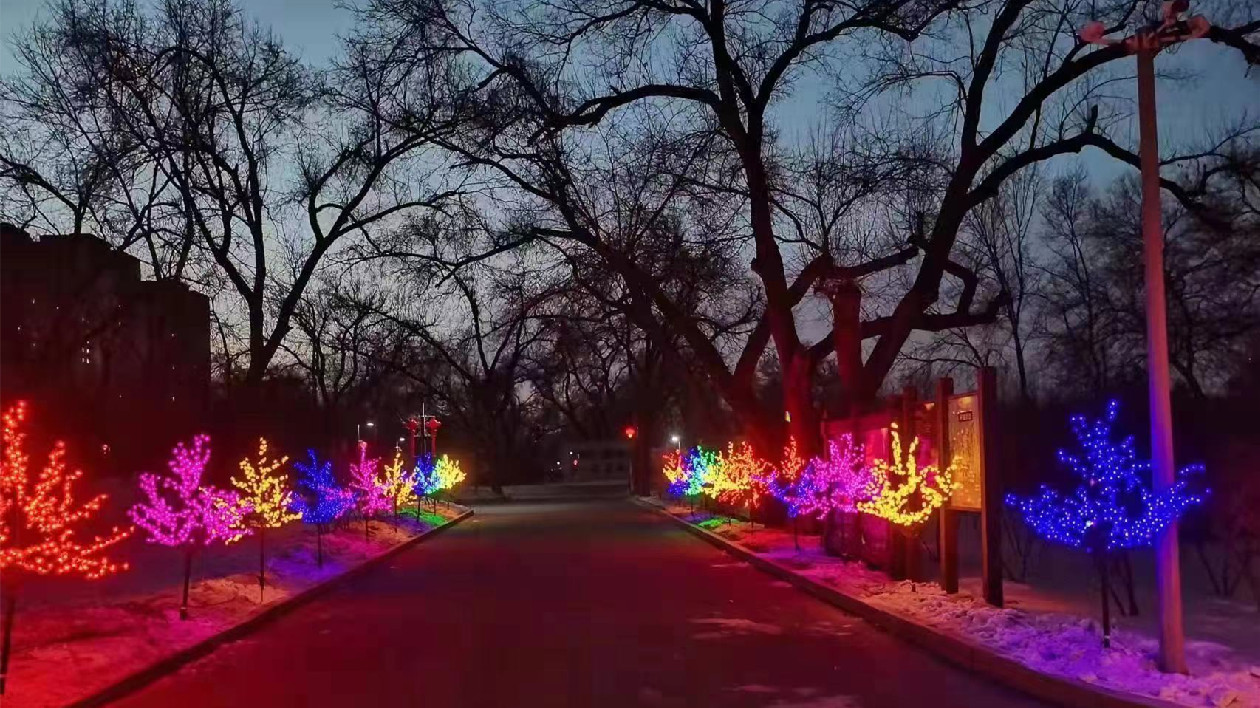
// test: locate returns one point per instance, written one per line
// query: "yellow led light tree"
(903, 493)
(745, 477)
(399, 482)
(269, 499)
(448, 473)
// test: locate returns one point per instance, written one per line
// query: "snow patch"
(99, 634)
(1050, 631)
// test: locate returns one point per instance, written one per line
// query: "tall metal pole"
(1172, 657)
(1174, 27)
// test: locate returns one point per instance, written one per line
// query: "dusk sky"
(1218, 95)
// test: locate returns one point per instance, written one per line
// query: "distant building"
(595, 460)
(103, 356)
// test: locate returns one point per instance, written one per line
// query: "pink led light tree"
(181, 512)
(370, 490)
(836, 483)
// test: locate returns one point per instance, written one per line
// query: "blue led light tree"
(319, 499)
(1115, 508)
(427, 480)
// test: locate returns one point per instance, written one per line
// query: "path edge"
(971, 656)
(169, 664)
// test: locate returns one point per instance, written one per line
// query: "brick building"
(119, 363)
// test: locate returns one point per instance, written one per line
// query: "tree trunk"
(1104, 577)
(262, 566)
(798, 404)
(183, 605)
(846, 313)
(1020, 364)
(1253, 579)
(6, 632)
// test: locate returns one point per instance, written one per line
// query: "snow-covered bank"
(70, 644)
(1051, 632)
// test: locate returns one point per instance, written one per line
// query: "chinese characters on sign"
(964, 445)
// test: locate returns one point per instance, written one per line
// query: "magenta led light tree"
(370, 490)
(181, 512)
(836, 483)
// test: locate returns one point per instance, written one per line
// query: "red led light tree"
(40, 524)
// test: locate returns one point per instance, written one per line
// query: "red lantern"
(413, 427)
(431, 429)
(630, 432)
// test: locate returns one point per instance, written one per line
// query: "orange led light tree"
(746, 477)
(268, 500)
(40, 523)
(792, 464)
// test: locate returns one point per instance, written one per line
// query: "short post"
(9, 590)
(1104, 581)
(262, 565)
(991, 484)
(948, 518)
(183, 605)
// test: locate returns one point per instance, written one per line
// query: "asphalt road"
(576, 604)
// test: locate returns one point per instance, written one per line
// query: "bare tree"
(1000, 237)
(1211, 265)
(552, 76)
(222, 114)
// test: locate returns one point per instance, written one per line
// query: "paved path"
(582, 604)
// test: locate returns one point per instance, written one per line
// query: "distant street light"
(358, 429)
(677, 441)
(1171, 29)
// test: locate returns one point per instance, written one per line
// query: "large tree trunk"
(798, 403)
(846, 312)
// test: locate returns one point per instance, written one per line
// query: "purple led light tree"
(181, 512)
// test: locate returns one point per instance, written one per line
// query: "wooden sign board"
(968, 458)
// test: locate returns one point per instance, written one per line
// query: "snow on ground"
(73, 638)
(1053, 630)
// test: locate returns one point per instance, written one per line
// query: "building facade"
(597, 460)
(103, 356)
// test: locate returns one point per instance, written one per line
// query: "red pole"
(1167, 561)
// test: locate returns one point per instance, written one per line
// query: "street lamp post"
(677, 441)
(1145, 44)
(358, 429)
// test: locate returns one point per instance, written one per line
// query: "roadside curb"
(965, 654)
(541, 500)
(166, 665)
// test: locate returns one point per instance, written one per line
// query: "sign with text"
(964, 446)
